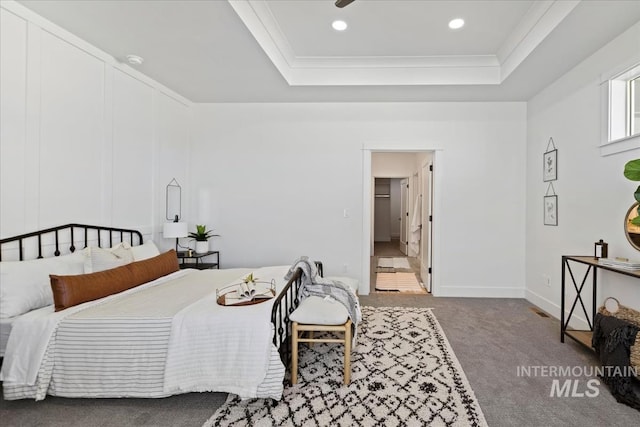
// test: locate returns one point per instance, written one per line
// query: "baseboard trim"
(577, 321)
(476, 292)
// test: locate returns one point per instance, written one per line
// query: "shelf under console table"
(584, 336)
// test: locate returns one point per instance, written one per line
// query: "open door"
(427, 216)
(404, 215)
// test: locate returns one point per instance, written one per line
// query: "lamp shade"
(175, 229)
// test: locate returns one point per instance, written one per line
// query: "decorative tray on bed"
(248, 292)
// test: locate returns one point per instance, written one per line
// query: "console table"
(584, 336)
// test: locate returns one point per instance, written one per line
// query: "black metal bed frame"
(286, 302)
(283, 306)
(89, 233)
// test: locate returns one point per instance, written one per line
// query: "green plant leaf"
(632, 170)
(636, 220)
(202, 234)
(637, 196)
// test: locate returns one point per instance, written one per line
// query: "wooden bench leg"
(347, 352)
(294, 353)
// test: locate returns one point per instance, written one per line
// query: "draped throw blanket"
(612, 341)
(314, 284)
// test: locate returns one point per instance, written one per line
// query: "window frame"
(618, 109)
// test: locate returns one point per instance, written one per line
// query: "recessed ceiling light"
(457, 23)
(339, 25)
(135, 59)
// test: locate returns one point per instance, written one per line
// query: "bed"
(162, 337)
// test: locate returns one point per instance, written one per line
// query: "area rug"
(404, 373)
(398, 282)
(395, 262)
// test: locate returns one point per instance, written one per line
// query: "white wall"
(88, 139)
(280, 177)
(15, 168)
(593, 195)
(83, 138)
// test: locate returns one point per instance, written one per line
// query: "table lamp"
(175, 229)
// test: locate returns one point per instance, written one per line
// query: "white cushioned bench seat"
(319, 311)
(322, 315)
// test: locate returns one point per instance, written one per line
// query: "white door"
(404, 214)
(425, 241)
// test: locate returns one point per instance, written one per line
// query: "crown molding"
(537, 24)
(490, 69)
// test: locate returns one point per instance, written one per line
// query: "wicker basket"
(632, 316)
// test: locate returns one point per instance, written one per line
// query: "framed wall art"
(550, 210)
(550, 206)
(550, 163)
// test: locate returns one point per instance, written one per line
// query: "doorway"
(400, 201)
(391, 197)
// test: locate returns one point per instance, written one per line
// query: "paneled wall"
(71, 137)
(84, 138)
(15, 167)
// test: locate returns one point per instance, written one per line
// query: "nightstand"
(195, 260)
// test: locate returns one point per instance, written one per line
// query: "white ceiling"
(393, 50)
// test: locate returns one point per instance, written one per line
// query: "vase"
(202, 246)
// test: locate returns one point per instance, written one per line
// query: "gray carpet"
(490, 337)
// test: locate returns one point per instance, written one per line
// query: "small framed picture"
(551, 210)
(550, 166)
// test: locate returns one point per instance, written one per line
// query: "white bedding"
(201, 346)
(6, 325)
(239, 347)
(5, 330)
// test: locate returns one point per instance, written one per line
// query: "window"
(634, 107)
(621, 121)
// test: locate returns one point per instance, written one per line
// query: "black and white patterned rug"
(404, 373)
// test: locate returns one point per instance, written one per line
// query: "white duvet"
(211, 347)
(238, 357)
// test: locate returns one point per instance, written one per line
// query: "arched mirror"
(630, 230)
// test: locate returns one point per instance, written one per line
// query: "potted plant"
(201, 236)
(632, 172)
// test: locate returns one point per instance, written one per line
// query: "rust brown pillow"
(73, 290)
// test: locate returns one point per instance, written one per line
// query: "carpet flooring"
(403, 373)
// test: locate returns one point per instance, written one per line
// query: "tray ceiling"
(393, 50)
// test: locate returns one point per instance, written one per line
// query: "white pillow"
(316, 310)
(25, 285)
(145, 251)
(98, 259)
(123, 250)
